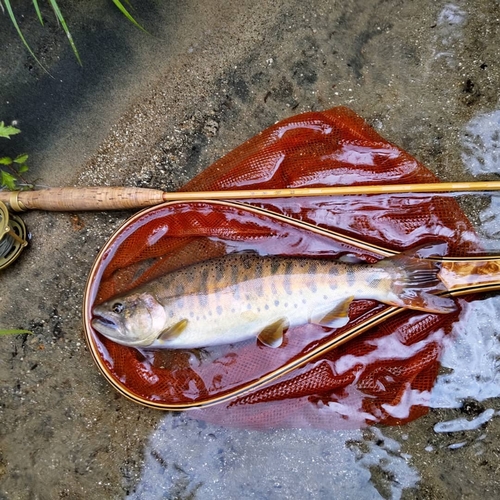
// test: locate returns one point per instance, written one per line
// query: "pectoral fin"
(173, 331)
(335, 317)
(272, 335)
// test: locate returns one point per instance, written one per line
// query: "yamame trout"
(244, 295)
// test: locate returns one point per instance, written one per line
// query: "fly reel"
(13, 236)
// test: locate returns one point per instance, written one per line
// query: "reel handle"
(76, 199)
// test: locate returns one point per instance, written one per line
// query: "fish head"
(133, 320)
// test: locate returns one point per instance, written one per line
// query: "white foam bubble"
(186, 458)
(481, 142)
(449, 31)
(462, 424)
(451, 15)
(471, 356)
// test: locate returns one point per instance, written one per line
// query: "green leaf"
(23, 168)
(126, 13)
(8, 180)
(21, 158)
(7, 130)
(5, 161)
(60, 17)
(38, 13)
(14, 332)
(20, 33)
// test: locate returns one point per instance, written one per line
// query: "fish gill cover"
(384, 376)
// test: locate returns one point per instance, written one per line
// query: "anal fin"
(333, 317)
(272, 335)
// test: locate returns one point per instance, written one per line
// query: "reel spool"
(13, 236)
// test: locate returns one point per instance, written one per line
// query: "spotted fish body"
(244, 295)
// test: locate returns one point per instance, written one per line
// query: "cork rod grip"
(76, 199)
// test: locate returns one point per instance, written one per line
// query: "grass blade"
(127, 14)
(20, 33)
(60, 18)
(38, 13)
(13, 332)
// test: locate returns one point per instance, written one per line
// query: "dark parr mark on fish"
(204, 281)
(203, 289)
(219, 310)
(333, 271)
(287, 285)
(275, 266)
(312, 286)
(374, 280)
(258, 269)
(219, 272)
(258, 274)
(234, 274)
(203, 300)
(313, 267)
(350, 276)
(289, 267)
(247, 262)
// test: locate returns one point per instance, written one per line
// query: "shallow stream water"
(154, 110)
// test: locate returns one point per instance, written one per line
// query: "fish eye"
(117, 307)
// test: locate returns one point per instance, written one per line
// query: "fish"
(244, 295)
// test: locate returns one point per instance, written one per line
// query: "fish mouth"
(110, 328)
(106, 326)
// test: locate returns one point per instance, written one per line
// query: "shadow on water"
(73, 102)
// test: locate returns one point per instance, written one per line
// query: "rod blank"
(124, 198)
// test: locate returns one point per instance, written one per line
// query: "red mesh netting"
(384, 375)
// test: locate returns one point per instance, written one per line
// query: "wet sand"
(155, 110)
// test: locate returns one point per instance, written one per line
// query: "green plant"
(14, 332)
(12, 179)
(60, 19)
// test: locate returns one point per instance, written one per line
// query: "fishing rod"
(14, 236)
(124, 198)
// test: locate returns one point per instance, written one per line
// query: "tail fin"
(416, 283)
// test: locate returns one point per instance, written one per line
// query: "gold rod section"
(124, 198)
(438, 187)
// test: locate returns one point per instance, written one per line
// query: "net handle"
(124, 198)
